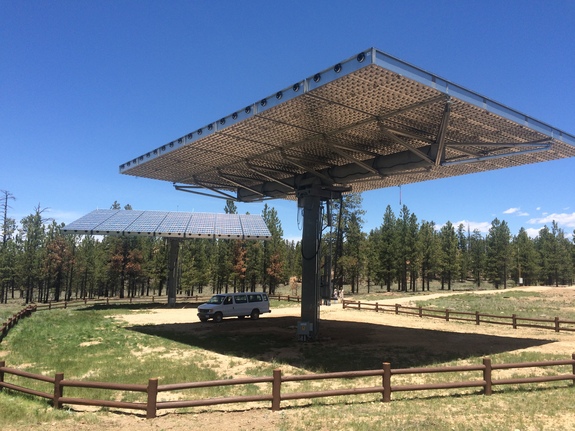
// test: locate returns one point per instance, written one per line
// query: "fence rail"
(556, 324)
(485, 380)
(9, 324)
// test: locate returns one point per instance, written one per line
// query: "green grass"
(545, 409)
(9, 310)
(521, 303)
(90, 344)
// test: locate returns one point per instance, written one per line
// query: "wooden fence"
(484, 380)
(515, 321)
(9, 324)
(50, 305)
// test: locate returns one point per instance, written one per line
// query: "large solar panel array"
(369, 122)
(170, 225)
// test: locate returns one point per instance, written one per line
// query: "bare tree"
(7, 224)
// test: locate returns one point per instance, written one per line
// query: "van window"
(228, 300)
(216, 299)
(255, 298)
(241, 299)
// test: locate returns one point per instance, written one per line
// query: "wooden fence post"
(447, 314)
(58, 390)
(573, 370)
(276, 390)
(420, 311)
(477, 318)
(386, 382)
(487, 376)
(3, 364)
(396, 308)
(359, 305)
(514, 318)
(556, 324)
(152, 403)
(376, 307)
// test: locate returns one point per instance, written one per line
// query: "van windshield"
(216, 299)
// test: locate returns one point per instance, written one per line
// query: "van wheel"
(218, 317)
(203, 319)
(255, 314)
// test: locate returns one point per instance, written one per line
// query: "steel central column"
(308, 327)
(173, 251)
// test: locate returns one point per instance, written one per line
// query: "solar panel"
(170, 225)
(118, 223)
(202, 225)
(254, 227)
(87, 223)
(228, 226)
(369, 122)
(174, 225)
(146, 224)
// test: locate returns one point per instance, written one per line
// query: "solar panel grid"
(254, 226)
(379, 92)
(146, 223)
(87, 223)
(166, 224)
(228, 226)
(118, 222)
(201, 225)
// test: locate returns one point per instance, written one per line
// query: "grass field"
(91, 344)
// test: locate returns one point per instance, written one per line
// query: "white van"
(234, 305)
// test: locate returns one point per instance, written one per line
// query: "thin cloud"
(481, 226)
(563, 219)
(516, 211)
(532, 232)
(66, 217)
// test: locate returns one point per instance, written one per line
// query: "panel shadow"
(343, 346)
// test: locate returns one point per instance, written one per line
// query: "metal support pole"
(309, 326)
(173, 251)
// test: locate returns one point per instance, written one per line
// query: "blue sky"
(88, 85)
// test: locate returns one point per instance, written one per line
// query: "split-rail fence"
(556, 324)
(485, 380)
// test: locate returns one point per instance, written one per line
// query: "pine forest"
(38, 263)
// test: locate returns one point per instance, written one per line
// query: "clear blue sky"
(88, 85)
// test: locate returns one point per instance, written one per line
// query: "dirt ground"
(339, 328)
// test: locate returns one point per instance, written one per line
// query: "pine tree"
(477, 256)
(274, 250)
(428, 248)
(526, 268)
(498, 253)
(387, 249)
(448, 254)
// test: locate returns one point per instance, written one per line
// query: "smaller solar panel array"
(170, 225)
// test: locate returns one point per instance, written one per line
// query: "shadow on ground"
(342, 346)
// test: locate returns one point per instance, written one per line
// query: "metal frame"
(369, 122)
